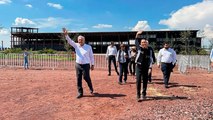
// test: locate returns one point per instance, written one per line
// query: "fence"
(53, 61)
(67, 61)
(189, 62)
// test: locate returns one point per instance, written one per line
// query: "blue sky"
(106, 15)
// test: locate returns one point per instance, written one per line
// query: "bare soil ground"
(51, 95)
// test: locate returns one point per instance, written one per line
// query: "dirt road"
(51, 95)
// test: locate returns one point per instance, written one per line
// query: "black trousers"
(83, 70)
(132, 67)
(150, 74)
(166, 68)
(123, 71)
(112, 59)
(141, 73)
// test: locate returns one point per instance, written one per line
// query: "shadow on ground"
(148, 98)
(112, 96)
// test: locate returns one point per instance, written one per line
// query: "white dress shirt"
(166, 56)
(111, 50)
(211, 55)
(84, 54)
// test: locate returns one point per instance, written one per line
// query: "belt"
(83, 64)
(165, 63)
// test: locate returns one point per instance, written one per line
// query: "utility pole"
(2, 46)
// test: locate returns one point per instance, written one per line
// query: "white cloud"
(84, 29)
(127, 27)
(99, 26)
(196, 16)
(29, 5)
(5, 37)
(141, 25)
(4, 31)
(49, 22)
(5, 1)
(52, 22)
(208, 31)
(57, 6)
(23, 22)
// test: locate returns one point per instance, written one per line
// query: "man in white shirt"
(166, 60)
(211, 57)
(84, 58)
(110, 55)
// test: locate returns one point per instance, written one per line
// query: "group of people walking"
(140, 59)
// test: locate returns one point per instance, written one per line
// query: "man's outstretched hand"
(138, 33)
(65, 31)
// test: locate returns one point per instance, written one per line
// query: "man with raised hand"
(84, 62)
(143, 62)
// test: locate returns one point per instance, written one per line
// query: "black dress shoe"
(143, 97)
(91, 92)
(109, 74)
(138, 99)
(166, 86)
(79, 96)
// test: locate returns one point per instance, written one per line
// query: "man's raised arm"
(137, 38)
(69, 40)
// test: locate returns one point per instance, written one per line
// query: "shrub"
(202, 52)
(13, 50)
(194, 52)
(46, 51)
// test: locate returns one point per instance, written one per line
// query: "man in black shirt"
(144, 62)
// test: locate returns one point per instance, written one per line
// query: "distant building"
(24, 37)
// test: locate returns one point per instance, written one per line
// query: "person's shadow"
(148, 98)
(190, 86)
(112, 96)
(129, 83)
(155, 79)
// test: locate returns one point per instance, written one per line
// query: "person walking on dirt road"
(84, 58)
(110, 55)
(143, 63)
(166, 60)
(211, 57)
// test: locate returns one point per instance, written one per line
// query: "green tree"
(153, 45)
(67, 46)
